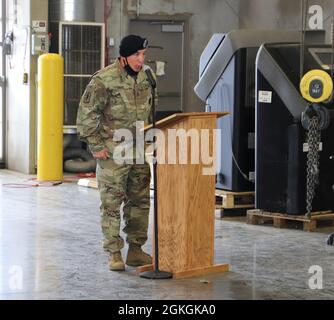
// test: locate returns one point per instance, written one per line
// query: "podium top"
(180, 116)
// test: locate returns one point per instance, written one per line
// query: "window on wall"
(82, 46)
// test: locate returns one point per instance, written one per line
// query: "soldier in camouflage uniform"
(116, 98)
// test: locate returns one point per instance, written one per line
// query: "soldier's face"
(137, 60)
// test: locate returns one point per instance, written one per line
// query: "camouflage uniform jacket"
(112, 100)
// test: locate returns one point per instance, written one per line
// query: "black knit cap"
(131, 44)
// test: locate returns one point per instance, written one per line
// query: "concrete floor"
(50, 248)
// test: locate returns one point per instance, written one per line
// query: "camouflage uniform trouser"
(129, 184)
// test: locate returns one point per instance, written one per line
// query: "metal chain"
(313, 140)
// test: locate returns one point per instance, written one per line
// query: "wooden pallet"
(234, 203)
(280, 220)
(88, 183)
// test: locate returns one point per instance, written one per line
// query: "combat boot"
(137, 257)
(116, 262)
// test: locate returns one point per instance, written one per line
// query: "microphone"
(150, 77)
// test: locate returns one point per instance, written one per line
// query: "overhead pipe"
(138, 8)
(106, 16)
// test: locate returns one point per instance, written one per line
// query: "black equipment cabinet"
(280, 138)
(227, 83)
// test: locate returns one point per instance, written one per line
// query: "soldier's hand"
(102, 155)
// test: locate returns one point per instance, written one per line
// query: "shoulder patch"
(88, 94)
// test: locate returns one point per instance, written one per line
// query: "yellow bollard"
(50, 117)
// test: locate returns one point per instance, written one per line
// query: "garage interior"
(247, 58)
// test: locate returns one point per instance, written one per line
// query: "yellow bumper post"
(50, 117)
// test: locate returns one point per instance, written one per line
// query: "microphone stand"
(156, 273)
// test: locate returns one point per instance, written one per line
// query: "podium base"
(149, 269)
(156, 275)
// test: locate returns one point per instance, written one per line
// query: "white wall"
(39, 11)
(18, 95)
(281, 14)
(21, 99)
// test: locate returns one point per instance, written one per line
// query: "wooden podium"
(186, 202)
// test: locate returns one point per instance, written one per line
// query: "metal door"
(166, 53)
